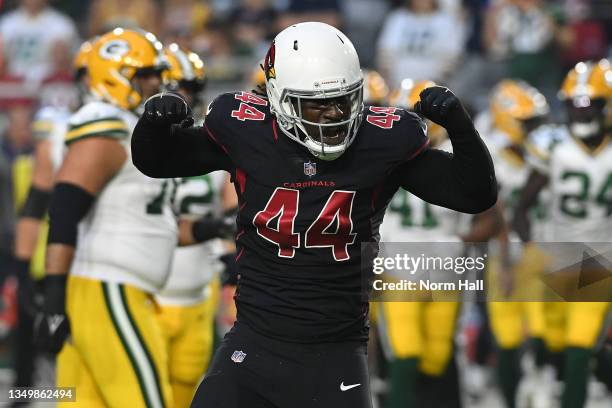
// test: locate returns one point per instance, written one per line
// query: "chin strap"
(586, 130)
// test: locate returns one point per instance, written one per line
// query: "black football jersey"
(302, 221)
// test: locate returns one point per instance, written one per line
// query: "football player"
(516, 109)
(188, 298)
(114, 230)
(314, 171)
(49, 127)
(578, 171)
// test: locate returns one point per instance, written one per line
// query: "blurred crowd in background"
(468, 45)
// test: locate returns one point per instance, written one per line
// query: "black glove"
(51, 326)
(229, 276)
(441, 106)
(210, 226)
(165, 109)
(26, 293)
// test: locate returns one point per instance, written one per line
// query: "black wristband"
(205, 229)
(55, 293)
(36, 203)
(69, 204)
(22, 269)
(209, 227)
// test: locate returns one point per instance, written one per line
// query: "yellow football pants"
(511, 320)
(188, 335)
(116, 356)
(573, 324)
(422, 330)
(521, 313)
(560, 324)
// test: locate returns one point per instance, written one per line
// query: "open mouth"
(334, 135)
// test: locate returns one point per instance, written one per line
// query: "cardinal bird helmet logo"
(269, 62)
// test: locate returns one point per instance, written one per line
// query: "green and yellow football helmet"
(186, 69)
(115, 59)
(587, 95)
(517, 108)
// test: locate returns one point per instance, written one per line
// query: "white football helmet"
(313, 61)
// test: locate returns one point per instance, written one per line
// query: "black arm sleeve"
(36, 203)
(462, 181)
(173, 151)
(69, 204)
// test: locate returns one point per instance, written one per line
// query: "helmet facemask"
(325, 140)
(533, 123)
(194, 88)
(586, 117)
(140, 81)
(185, 74)
(587, 96)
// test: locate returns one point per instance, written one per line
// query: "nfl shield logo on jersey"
(310, 169)
(238, 356)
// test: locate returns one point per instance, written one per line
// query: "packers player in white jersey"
(49, 128)
(578, 171)
(418, 336)
(111, 238)
(188, 299)
(516, 109)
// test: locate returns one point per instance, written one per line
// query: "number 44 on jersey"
(283, 204)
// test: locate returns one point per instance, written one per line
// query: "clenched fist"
(51, 325)
(166, 109)
(441, 106)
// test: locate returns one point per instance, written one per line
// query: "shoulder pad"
(229, 113)
(547, 136)
(400, 132)
(215, 106)
(541, 142)
(390, 117)
(52, 113)
(96, 119)
(241, 106)
(46, 119)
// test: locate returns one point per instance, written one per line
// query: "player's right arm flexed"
(165, 144)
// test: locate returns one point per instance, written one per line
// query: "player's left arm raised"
(464, 180)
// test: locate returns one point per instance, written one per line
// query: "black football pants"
(250, 370)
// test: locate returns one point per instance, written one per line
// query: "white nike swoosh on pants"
(347, 387)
